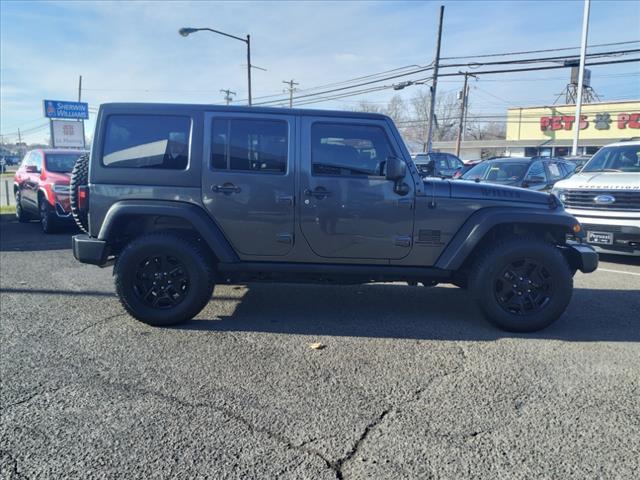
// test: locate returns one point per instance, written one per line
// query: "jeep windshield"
(498, 172)
(61, 162)
(615, 159)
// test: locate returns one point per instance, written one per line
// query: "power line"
(541, 51)
(392, 77)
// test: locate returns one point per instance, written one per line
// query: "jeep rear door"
(248, 180)
(348, 209)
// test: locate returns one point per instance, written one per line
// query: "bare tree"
(396, 109)
(366, 106)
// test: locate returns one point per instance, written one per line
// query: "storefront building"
(549, 130)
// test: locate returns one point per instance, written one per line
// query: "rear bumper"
(582, 257)
(88, 249)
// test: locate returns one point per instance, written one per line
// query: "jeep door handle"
(226, 188)
(319, 192)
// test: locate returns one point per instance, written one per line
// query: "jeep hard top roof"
(149, 107)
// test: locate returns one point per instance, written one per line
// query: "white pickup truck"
(605, 197)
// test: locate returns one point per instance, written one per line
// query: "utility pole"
(84, 140)
(227, 95)
(463, 111)
(19, 137)
(291, 89)
(583, 54)
(249, 66)
(436, 62)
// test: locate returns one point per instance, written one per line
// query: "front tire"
(47, 216)
(162, 279)
(522, 284)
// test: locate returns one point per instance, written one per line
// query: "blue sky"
(131, 51)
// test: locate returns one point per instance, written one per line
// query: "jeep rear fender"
(194, 215)
(481, 222)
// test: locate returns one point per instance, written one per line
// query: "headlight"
(560, 193)
(61, 188)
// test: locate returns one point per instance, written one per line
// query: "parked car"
(436, 164)
(535, 173)
(41, 187)
(605, 197)
(180, 197)
(468, 165)
(578, 160)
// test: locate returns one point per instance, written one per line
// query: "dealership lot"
(412, 382)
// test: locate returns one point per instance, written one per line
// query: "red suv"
(41, 187)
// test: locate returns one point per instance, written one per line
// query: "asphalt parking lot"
(413, 383)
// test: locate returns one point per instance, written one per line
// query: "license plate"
(601, 238)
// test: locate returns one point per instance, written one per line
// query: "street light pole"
(583, 54)
(186, 31)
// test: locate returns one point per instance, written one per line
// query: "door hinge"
(405, 202)
(403, 240)
(285, 238)
(285, 199)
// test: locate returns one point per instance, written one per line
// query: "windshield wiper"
(603, 170)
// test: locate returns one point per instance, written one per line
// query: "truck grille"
(624, 200)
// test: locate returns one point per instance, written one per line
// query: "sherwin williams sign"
(62, 109)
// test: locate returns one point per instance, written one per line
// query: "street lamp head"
(187, 31)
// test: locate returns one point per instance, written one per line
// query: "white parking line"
(618, 271)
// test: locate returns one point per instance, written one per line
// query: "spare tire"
(79, 178)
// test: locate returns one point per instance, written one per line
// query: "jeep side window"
(349, 150)
(147, 141)
(259, 146)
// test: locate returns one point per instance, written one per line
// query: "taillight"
(83, 197)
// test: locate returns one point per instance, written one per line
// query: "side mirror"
(577, 170)
(31, 169)
(396, 169)
(536, 180)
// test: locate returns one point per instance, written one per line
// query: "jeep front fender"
(481, 222)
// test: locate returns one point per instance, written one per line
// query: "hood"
(602, 181)
(491, 191)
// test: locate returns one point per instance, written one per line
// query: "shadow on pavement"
(397, 311)
(619, 259)
(29, 237)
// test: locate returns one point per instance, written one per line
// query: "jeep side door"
(348, 209)
(248, 180)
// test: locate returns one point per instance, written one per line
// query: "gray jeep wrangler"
(179, 197)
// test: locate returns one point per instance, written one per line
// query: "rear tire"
(21, 215)
(522, 284)
(162, 279)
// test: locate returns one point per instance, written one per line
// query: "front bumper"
(582, 257)
(625, 233)
(88, 249)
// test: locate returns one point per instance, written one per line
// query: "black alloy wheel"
(524, 287)
(161, 282)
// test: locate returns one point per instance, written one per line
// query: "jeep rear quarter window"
(147, 141)
(258, 146)
(349, 150)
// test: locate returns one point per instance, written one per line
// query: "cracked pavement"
(413, 383)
